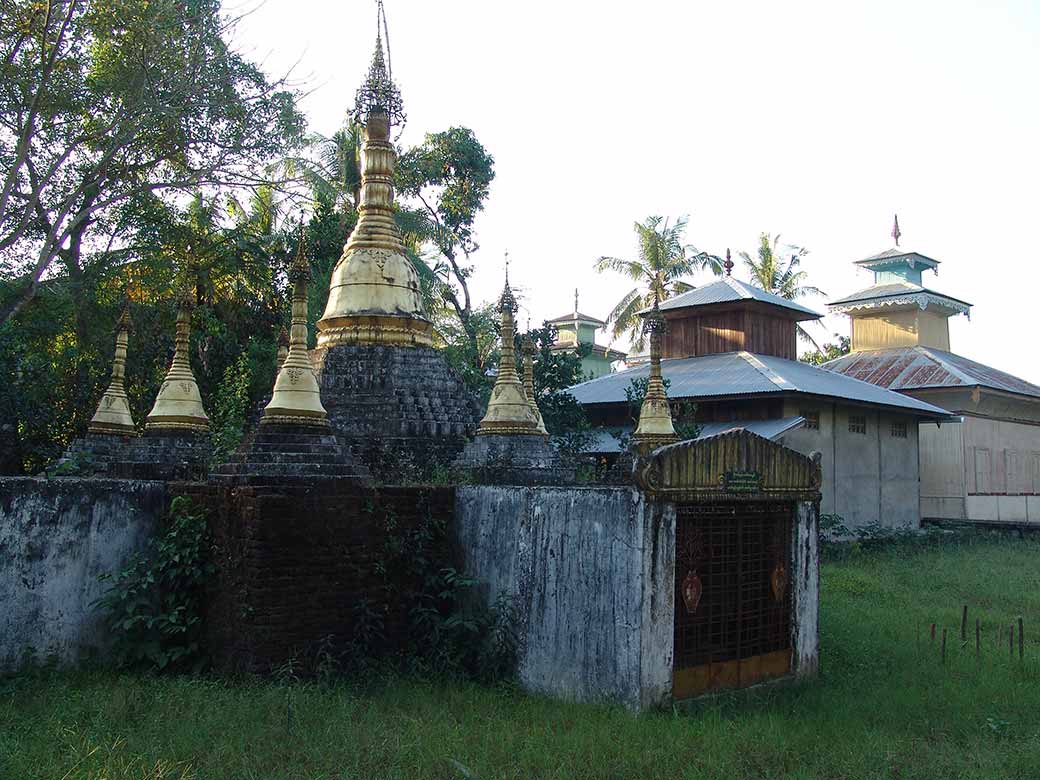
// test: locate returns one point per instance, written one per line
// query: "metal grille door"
(732, 600)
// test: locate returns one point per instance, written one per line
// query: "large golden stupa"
(374, 295)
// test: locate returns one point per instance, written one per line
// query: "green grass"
(883, 706)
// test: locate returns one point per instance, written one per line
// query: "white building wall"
(869, 478)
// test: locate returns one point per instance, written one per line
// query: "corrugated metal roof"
(897, 252)
(580, 317)
(746, 373)
(908, 368)
(892, 290)
(729, 290)
(605, 440)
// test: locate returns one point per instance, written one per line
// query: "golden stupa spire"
(529, 349)
(283, 347)
(655, 417)
(113, 412)
(296, 399)
(508, 411)
(179, 403)
(374, 295)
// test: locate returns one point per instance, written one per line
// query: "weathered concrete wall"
(805, 609)
(592, 572)
(57, 536)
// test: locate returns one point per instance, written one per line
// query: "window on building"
(812, 418)
(899, 430)
(857, 423)
(982, 470)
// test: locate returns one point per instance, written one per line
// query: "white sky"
(818, 120)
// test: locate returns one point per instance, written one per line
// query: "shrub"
(153, 607)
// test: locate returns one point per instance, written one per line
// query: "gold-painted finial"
(508, 411)
(296, 399)
(113, 411)
(529, 349)
(283, 347)
(179, 403)
(655, 427)
(374, 294)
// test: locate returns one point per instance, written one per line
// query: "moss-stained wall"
(57, 536)
(592, 571)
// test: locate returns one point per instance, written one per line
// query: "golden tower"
(508, 411)
(655, 427)
(296, 399)
(113, 412)
(374, 295)
(179, 403)
(529, 350)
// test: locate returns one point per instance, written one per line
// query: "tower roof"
(898, 293)
(897, 256)
(730, 290)
(583, 319)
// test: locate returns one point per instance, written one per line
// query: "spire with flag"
(895, 229)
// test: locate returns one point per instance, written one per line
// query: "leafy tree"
(830, 351)
(662, 260)
(444, 183)
(772, 274)
(105, 101)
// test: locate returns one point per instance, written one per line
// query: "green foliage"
(110, 101)
(883, 706)
(450, 633)
(663, 259)
(230, 407)
(787, 280)
(153, 607)
(830, 351)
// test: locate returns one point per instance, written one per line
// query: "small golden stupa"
(374, 295)
(113, 412)
(178, 406)
(529, 349)
(296, 399)
(508, 410)
(655, 427)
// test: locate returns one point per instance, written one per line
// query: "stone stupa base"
(403, 411)
(165, 454)
(288, 454)
(525, 459)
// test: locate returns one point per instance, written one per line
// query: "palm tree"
(787, 280)
(662, 260)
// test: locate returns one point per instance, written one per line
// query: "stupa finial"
(728, 265)
(179, 403)
(296, 399)
(896, 232)
(378, 93)
(113, 411)
(508, 411)
(655, 427)
(575, 300)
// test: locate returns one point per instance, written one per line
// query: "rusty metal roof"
(734, 374)
(910, 368)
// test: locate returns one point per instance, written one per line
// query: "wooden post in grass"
(944, 647)
(978, 639)
(933, 633)
(1021, 640)
(1011, 641)
(964, 623)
